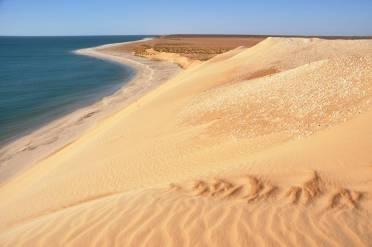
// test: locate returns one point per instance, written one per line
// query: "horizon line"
(203, 34)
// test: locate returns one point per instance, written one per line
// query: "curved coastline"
(55, 135)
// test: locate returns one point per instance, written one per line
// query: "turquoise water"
(42, 79)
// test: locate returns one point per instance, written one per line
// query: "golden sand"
(268, 145)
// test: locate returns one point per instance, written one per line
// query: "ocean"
(41, 79)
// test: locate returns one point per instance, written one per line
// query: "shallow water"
(42, 79)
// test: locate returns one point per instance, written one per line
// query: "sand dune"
(269, 145)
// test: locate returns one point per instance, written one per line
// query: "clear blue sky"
(105, 17)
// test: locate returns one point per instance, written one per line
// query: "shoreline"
(24, 151)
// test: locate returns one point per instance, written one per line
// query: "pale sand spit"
(262, 146)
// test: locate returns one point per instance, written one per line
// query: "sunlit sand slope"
(269, 145)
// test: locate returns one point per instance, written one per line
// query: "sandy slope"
(269, 145)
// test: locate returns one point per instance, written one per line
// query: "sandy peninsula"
(267, 144)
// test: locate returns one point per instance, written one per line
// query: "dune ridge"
(268, 145)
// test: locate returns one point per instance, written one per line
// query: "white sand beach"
(39, 144)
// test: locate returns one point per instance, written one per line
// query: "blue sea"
(41, 79)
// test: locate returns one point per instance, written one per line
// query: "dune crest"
(220, 211)
(268, 145)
